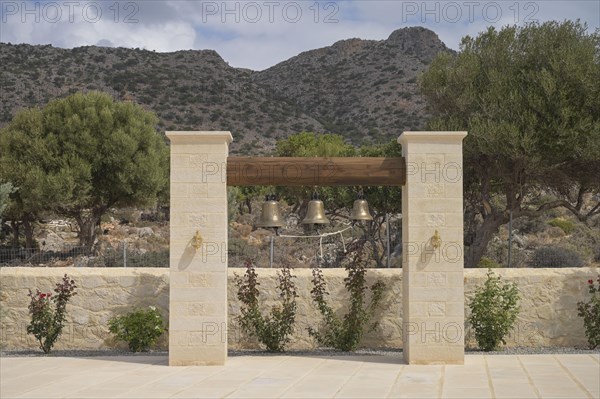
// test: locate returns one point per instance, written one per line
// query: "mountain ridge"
(365, 90)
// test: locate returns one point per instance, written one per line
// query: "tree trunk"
(372, 229)
(28, 230)
(301, 208)
(15, 226)
(376, 252)
(88, 225)
(248, 202)
(483, 235)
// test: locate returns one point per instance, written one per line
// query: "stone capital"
(447, 137)
(200, 137)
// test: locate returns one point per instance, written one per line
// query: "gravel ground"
(320, 352)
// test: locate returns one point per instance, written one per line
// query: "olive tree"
(530, 99)
(80, 156)
(382, 199)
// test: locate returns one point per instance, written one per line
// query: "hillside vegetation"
(357, 88)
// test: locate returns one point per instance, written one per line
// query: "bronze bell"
(315, 213)
(360, 210)
(270, 216)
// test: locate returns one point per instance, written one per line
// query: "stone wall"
(548, 307)
(101, 293)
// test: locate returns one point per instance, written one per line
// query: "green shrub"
(47, 322)
(345, 333)
(140, 328)
(494, 310)
(273, 330)
(565, 225)
(529, 225)
(556, 257)
(585, 240)
(590, 311)
(487, 263)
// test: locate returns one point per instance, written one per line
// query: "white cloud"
(80, 26)
(259, 34)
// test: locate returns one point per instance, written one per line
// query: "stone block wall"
(548, 306)
(101, 294)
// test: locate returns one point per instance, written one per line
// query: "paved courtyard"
(494, 376)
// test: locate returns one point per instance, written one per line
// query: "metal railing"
(121, 256)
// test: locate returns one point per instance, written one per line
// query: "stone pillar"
(432, 275)
(198, 276)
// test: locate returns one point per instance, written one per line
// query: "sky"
(259, 34)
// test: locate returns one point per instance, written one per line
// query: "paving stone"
(546, 376)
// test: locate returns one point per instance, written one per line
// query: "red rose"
(42, 295)
(590, 281)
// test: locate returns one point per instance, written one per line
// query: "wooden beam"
(270, 171)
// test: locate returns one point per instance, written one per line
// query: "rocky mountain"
(359, 87)
(362, 89)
